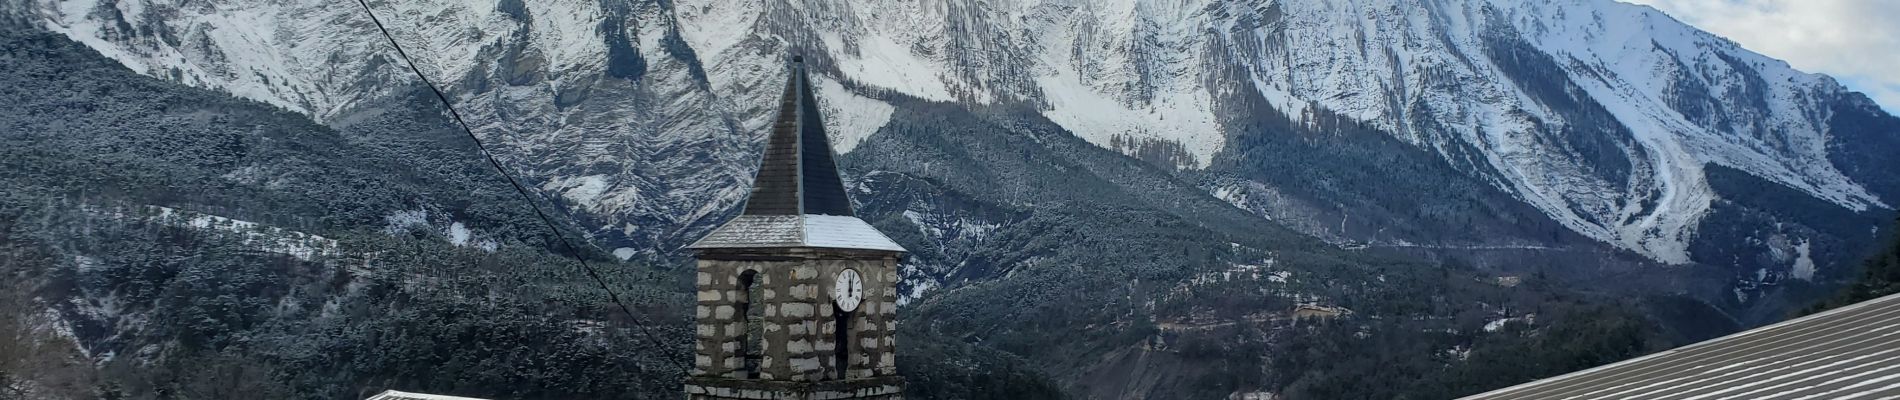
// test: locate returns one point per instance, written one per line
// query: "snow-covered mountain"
(1601, 114)
(1605, 117)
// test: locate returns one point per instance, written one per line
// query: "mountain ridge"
(1631, 175)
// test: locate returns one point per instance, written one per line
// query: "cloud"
(1855, 41)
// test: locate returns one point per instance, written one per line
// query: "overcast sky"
(1855, 41)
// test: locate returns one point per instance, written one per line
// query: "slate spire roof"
(798, 199)
(797, 175)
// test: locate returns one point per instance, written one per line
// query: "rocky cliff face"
(1601, 115)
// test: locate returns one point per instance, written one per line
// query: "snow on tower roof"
(784, 231)
(1850, 352)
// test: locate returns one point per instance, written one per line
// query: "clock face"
(848, 290)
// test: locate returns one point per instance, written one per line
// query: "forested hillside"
(198, 242)
(1879, 275)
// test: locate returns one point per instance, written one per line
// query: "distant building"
(395, 395)
(1304, 311)
(1848, 353)
(797, 296)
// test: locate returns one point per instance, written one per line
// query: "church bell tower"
(797, 296)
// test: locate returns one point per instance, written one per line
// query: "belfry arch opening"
(841, 334)
(751, 340)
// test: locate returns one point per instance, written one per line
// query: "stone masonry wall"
(880, 388)
(797, 322)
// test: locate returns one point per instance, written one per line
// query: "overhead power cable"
(526, 196)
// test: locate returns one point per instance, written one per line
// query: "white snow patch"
(849, 118)
(714, 26)
(946, 227)
(625, 253)
(885, 63)
(1498, 324)
(595, 193)
(586, 189)
(87, 263)
(917, 289)
(458, 234)
(401, 221)
(266, 238)
(845, 233)
(1184, 116)
(1803, 261)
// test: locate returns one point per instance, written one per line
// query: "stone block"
(723, 312)
(797, 310)
(800, 346)
(704, 311)
(806, 364)
(804, 272)
(709, 296)
(705, 279)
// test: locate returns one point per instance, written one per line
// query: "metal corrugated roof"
(395, 395)
(1848, 353)
(784, 231)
